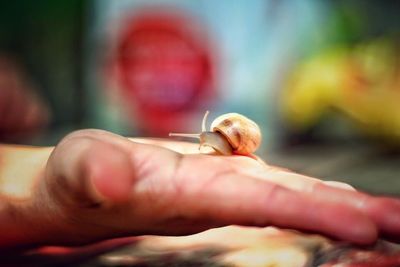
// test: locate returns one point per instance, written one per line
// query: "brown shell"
(243, 134)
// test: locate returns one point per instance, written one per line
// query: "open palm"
(100, 185)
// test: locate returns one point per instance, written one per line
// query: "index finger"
(233, 198)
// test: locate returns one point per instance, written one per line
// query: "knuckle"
(72, 142)
(81, 134)
(274, 194)
(272, 191)
(339, 185)
(81, 138)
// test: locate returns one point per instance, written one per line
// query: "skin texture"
(97, 185)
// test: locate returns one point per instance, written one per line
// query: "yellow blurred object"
(362, 82)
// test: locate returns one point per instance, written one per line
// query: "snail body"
(231, 133)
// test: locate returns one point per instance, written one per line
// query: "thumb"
(87, 170)
(110, 173)
(98, 166)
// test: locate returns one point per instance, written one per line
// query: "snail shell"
(243, 134)
(231, 133)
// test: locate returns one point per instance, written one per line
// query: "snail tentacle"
(203, 123)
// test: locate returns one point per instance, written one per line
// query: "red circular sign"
(165, 69)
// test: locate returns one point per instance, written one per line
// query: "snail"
(230, 133)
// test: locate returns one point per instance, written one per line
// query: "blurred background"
(321, 78)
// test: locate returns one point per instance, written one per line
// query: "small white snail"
(230, 133)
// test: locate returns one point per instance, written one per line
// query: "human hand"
(99, 185)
